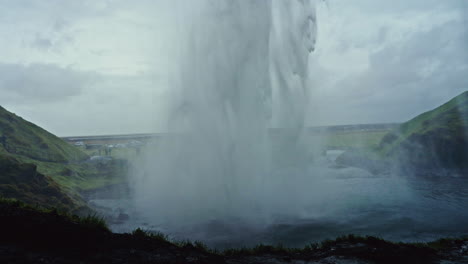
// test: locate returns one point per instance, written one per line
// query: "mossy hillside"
(40, 168)
(22, 181)
(20, 137)
(451, 117)
(82, 176)
(434, 140)
(66, 164)
(439, 136)
(68, 179)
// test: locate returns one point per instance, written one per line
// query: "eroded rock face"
(22, 181)
(436, 140)
(437, 149)
(433, 143)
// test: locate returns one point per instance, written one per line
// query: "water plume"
(242, 66)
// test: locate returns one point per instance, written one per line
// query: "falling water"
(242, 67)
(227, 176)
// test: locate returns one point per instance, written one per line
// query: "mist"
(244, 69)
(234, 131)
(236, 62)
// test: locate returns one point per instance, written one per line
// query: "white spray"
(242, 66)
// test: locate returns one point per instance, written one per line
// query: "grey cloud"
(42, 82)
(52, 43)
(42, 43)
(49, 25)
(409, 77)
(60, 24)
(55, 36)
(398, 6)
(55, 8)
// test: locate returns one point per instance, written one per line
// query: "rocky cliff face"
(23, 145)
(435, 141)
(22, 181)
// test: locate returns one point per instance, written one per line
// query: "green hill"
(20, 137)
(39, 168)
(433, 140)
(431, 143)
(22, 181)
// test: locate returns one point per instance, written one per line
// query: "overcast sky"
(101, 66)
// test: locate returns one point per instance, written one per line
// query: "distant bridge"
(113, 139)
(126, 138)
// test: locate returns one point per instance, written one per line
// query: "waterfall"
(241, 67)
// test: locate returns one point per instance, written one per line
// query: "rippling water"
(328, 203)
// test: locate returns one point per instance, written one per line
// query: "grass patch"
(445, 243)
(35, 163)
(90, 221)
(20, 137)
(24, 182)
(159, 236)
(450, 117)
(76, 177)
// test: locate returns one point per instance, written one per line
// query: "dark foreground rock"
(32, 236)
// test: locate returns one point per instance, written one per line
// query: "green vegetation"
(150, 235)
(22, 181)
(433, 141)
(23, 138)
(40, 168)
(355, 139)
(324, 245)
(450, 120)
(81, 176)
(159, 236)
(90, 221)
(86, 176)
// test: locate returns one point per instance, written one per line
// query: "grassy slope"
(452, 117)
(23, 138)
(76, 177)
(432, 140)
(437, 139)
(22, 181)
(60, 165)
